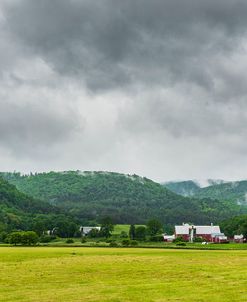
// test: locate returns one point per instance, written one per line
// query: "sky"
(156, 88)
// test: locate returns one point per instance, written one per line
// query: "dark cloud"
(29, 129)
(150, 87)
(110, 44)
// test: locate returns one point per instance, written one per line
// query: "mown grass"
(118, 228)
(48, 274)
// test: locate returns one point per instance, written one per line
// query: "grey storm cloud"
(28, 129)
(132, 86)
(109, 44)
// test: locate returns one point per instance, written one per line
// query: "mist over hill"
(89, 196)
(234, 191)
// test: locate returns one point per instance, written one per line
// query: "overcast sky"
(157, 88)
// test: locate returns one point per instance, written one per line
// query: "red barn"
(210, 233)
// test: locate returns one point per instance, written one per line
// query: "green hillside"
(89, 196)
(184, 188)
(233, 191)
(229, 191)
(21, 212)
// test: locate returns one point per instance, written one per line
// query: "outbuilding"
(209, 233)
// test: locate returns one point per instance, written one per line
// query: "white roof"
(200, 229)
(169, 236)
(238, 236)
(87, 229)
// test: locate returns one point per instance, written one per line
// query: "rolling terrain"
(19, 211)
(235, 191)
(90, 196)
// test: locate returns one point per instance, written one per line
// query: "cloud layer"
(156, 88)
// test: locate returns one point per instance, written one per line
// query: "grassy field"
(116, 274)
(118, 228)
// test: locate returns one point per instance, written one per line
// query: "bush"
(133, 243)
(123, 234)
(181, 243)
(24, 238)
(109, 240)
(157, 238)
(83, 240)
(46, 238)
(198, 239)
(94, 233)
(3, 236)
(126, 242)
(113, 244)
(69, 240)
(140, 233)
(178, 239)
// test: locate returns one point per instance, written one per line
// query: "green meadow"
(49, 274)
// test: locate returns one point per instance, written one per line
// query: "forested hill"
(126, 198)
(17, 210)
(229, 191)
(185, 188)
(21, 212)
(235, 191)
(11, 198)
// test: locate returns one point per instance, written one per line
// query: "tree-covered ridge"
(234, 191)
(184, 188)
(90, 196)
(19, 211)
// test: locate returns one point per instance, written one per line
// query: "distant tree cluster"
(235, 226)
(23, 238)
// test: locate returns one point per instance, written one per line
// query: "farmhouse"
(168, 238)
(210, 233)
(85, 230)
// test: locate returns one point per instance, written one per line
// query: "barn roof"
(200, 229)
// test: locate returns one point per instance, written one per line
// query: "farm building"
(85, 230)
(238, 238)
(210, 233)
(168, 238)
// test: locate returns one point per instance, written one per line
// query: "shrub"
(24, 238)
(123, 234)
(113, 244)
(133, 243)
(157, 238)
(109, 240)
(3, 236)
(126, 242)
(46, 238)
(83, 240)
(140, 233)
(198, 239)
(181, 243)
(69, 240)
(178, 239)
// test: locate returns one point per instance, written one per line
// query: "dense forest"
(90, 196)
(235, 225)
(235, 191)
(21, 212)
(184, 188)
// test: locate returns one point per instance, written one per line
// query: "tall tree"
(107, 227)
(132, 232)
(154, 227)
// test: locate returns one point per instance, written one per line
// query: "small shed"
(85, 230)
(238, 238)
